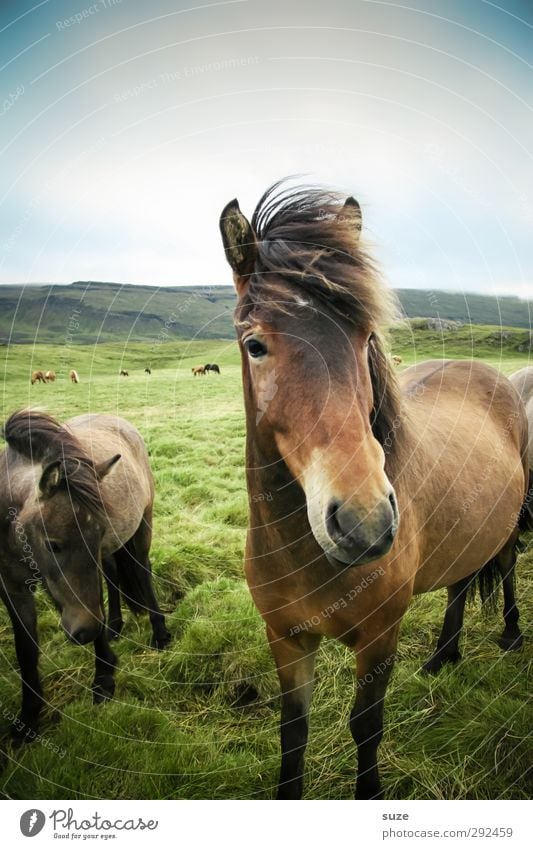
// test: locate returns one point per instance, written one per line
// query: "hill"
(94, 312)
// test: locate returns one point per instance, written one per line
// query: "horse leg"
(134, 556)
(374, 665)
(447, 650)
(105, 662)
(21, 609)
(511, 638)
(295, 662)
(115, 622)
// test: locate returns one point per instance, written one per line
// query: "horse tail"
(134, 579)
(487, 584)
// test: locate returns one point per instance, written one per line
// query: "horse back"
(468, 430)
(128, 491)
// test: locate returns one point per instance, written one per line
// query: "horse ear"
(239, 242)
(352, 211)
(51, 479)
(103, 468)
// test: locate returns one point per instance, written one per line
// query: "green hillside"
(467, 307)
(89, 312)
(94, 312)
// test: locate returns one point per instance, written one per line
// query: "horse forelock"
(42, 439)
(309, 256)
(308, 249)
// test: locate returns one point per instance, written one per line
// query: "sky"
(126, 126)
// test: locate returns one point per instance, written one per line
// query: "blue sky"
(125, 126)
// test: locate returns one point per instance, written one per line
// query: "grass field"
(200, 720)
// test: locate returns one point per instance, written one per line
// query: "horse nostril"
(340, 522)
(85, 635)
(332, 521)
(394, 504)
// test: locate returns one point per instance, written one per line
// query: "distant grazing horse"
(382, 488)
(396, 360)
(74, 376)
(148, 371)
(74, 498)
(522, 381)
(50, 376)
(198, 370)
(37, 377)
(124, 373)
(211, 367)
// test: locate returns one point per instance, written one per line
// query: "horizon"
(127, 130)
(496, 295)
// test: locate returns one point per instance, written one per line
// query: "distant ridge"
(88, 312)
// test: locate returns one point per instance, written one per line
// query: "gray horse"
(75, 501)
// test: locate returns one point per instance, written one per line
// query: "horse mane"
(305, 240)
(41, 438)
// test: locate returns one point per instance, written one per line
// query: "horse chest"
(312, 599)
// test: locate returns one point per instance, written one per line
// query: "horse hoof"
(511, 643)
(435, 663)
(370, 793)
(103, 692)
(114, 630)
(23, 732)
(161, 641)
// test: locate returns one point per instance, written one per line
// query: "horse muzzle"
(355, 540)
(83, 632)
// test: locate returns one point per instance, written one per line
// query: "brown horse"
(37, 377)
(50, 376)
(198, 370)
(381, 489)
(74, 499)
(74, 376)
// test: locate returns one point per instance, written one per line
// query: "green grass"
(200, 720)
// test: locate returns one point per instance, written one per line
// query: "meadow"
(200, 720)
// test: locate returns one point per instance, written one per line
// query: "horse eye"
(52, 546)
(255, 348)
